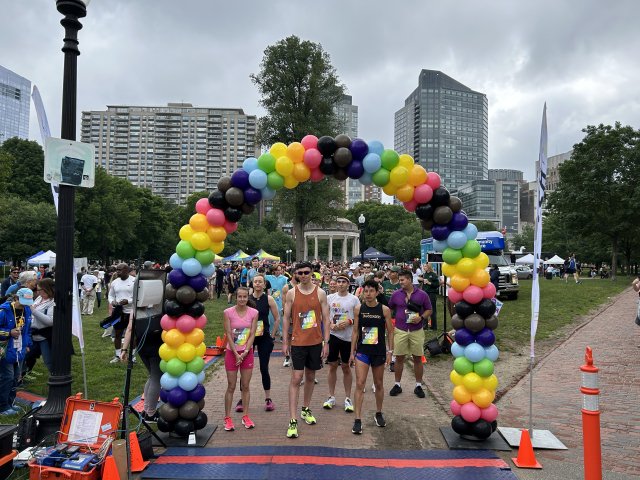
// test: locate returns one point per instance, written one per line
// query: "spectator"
(42, 322)
(96, 273)
(88, 286)
(11, 280)
(494, 275)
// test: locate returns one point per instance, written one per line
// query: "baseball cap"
(395, 268)
(25, 296)
(13, 288)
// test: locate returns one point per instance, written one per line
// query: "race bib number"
(369, 335)
(339, 317)
(412, 317)
(276, 294)
(308, 320)
(260, 329)
(241, 336)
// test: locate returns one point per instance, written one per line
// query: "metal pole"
(362, 246)
(531, 399)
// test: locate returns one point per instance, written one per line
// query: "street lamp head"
(77, 8)
(361, 219)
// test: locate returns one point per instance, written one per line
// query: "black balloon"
(340, 174)
(216, 200)
(457, 322)
(203, 295)
(196, 309)
(492, 322)
(343, 141)
(481, 429)
(200, 421)
(224, 184)
(183, 427)
(170, 292)
(247, 209)
(234, 197)
(427, 224)
(463, 308)
(327, 166)
(486, 308)
(494, 425)
(460, 425)
(342, 157)
(327, 145)
(442, 215)
(169, 413)
(455, 204)
(233, 214)
(441, 196)
(189, 410)
(185, 295)
(173, 308)
(474, 323)
(164, 426)
(424, 211)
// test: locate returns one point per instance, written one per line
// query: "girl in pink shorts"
(240, 323)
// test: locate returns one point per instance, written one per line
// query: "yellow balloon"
(301, 172)
(399, 176)
(417, 175)
(482, 398)
(166, 352)
(195, 337)
(472, 382)
(482, 260)
(449, 270)
(390, 189)
(491, 383)
(480, 277)
(455, 378)
(186, 232)
(216, 247)
(200, 241)
(493, 395)
(174, 338)
(295, 152)
(217, 234)
(284, 166)
(186, 352)
(461, 395)
(201, 350)
(405, 192)
(290, 182)
(466, 267)
(162, 335)
(278, 150)
(199, 223)
(406, 161)
(459, 282)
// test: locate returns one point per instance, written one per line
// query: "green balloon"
(196, 365)
(472, 249)
(185, 249)
(381, 177)
(267, 163)
(205, 257)
(462, 365)
(275, 181)
(163, 366)
(176, 367)
(484, 367)
(452, 255)
(390, 159)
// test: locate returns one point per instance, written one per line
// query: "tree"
(27, 171)
(6, 164)
(299, 89)
(599, 188)
(485, 226)
(524, 239)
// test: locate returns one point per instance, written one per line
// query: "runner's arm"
(387, 320)
(227, 329)
(276, 315)
(286, 319)
(322, 296)
(355, 331)
(252, 334)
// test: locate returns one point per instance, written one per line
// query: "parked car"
(524, 272)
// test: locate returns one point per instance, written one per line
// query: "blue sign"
(490, 240)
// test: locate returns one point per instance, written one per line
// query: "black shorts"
(373, 360)
(123, 323)
(570, 271)
(307, 356)
(339, 347)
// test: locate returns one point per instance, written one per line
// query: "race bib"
(369, 335)
(412, 317)
(308, 320)
(240, 336)
(260, 329)
(17, 343)
(276, 294)
(339, 317)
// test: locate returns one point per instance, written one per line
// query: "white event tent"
(42, 259)
(556, 260)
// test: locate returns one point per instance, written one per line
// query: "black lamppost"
(404, 254)
(50, 416)
(361, 220)
(288, 252)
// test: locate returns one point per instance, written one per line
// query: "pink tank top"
(240, 326)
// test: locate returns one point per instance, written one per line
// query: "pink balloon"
(202, 206)
(310, 141)
(470, 412)
(411, 205)
(489, 290)
(316, 175)
(433, 180)
(423, 193)
(201, 322)
(312, 158)
(215, 217)
(167, 323)
(454, 295)
(185, 324)
(472, 294)
(455, 407)
(229, 227)
(489, 413)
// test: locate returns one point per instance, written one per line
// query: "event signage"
(69, 163)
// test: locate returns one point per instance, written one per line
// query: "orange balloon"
(417, 175)
(198, 223)
(174, 338)
(301, 172)
(164, 332)
(461, 395)
(480, 278)
(217, 234)
(459, 282)
(405, 192)
(195, 337)
(482, 397)
(295, 152)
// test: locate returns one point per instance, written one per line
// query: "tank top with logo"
(262, 306)
(371, 330)
(306, 317)
(240, 326)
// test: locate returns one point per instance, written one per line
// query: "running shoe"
(348, 406)
(239, 406)
(246, 421)
(392, 366)
(315, 381)
(419, 392)
(307, 417)
(395, 390)
(357, 427)
(292, 432)
(150, 418)
(114, 360)
(268, 405)
(287, 362)
(302, 381)
(379, 420)
(228, 424)
(373, 387)
(331, 401)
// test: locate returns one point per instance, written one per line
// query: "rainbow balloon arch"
(313, 159)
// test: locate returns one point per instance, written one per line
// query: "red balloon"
(316, 175)
(489, 291)
(454, 295)
(201, 322)
(229, 227)
(202, 206)
(423, 193)
(433, 180)
(411, 205)
(310, 141)
(215, 217)
(312, 158)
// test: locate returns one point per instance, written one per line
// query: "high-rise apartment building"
(14, 105)
(444, 127)
(174, 150)
(508, 185)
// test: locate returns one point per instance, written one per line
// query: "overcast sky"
(579, 57)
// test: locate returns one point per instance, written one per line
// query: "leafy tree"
(299, 89)
(27, 171)
(524, 239)
(6, 164)
(599, 188)
(182, 214)
(486, 226)
(270, 223)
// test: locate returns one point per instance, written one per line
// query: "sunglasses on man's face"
(307, 272)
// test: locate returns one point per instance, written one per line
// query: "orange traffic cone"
(218, 343)
(109, 470)
(526, 458)
(137, 463)
(424, 360)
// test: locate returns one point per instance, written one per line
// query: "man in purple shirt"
(408, 333)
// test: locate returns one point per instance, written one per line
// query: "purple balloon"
(458, 222)
(463, 337)
(163, 395)
(355, 169)
(484, 337)
(177, 397)
(359, 150)
(198, 282)
(178, 278)
(252, 196)
(197, 393)
(440, 232)
(240, 179)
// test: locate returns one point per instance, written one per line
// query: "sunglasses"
(307, 272)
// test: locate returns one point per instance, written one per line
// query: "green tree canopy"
(486, 226)
(524, 239)
(26, 176)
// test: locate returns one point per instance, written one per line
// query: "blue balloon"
(474, 352)
(485, 337)
(252, 196)
(200, 377)
(372, 162)
(240, 179)
(491, 353)
(464, 337)
(197, 393)
(188, 381)
(358, 148)
(459, 221)
(163, 395)
(177, 397)
(440, 232)
(471, 231)
(191, 267)
(267, 193)
(354, 169)
(376, 147)
(457, 240)
(250, 164)
(258, 179)
(208, 270)
(176, 261)
(366, 179)
(457, 350)
(177, 277)
(440, 245)
(168, 381)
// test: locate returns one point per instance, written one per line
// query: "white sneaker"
(287, 362)
(302, 381)
(114, 360)
(348, 406)
(373, 388)
(329, 404)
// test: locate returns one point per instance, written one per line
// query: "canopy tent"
(217, 258)
(262, 255)
(236, 257)
(524, 260)
(34, 256)
(556, 260)
(374, 254)
(42, 259)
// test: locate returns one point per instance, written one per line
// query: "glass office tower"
(14, 105)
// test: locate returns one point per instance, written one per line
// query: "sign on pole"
(69, 163)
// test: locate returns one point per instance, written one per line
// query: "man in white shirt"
(121, 294)
(88, 284)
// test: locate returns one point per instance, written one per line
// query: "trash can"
(549, 275)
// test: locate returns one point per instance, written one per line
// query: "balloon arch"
(313, 159)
